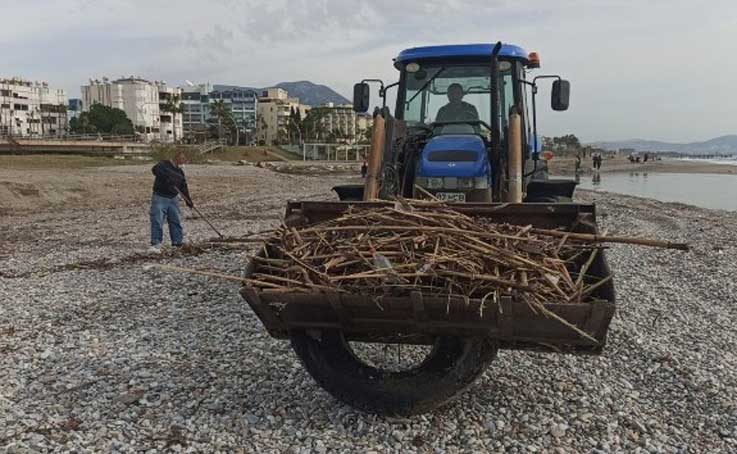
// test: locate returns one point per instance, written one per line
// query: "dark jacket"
(170, 181)
(461, 111)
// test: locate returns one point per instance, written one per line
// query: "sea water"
(704, 190)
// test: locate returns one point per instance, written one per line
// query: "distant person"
(169, 183)
(645, 157)
(578, 163)
(597, 159)
(457, 109)
(364, 169)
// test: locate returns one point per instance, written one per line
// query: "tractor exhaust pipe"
(514, 171)
(496, 150)
(375, 157)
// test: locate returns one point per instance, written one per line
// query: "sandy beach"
(101, 351)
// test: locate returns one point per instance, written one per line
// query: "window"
(506, 98)
(427, 91)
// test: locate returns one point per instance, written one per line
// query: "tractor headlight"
(435, 183)
(450, 182)
(480, 183)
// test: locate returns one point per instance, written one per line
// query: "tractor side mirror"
(560, 95)
(361, 97)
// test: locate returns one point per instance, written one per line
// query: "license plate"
(451, 196)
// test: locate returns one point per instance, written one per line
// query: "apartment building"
(74, 108)
(364, 122)
(195, 110)
(170, 113)
(341, 123)
(137, 97)
(242, 102)
(32, 109)
(197, 101)
(274, 108)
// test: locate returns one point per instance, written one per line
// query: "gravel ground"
(101, 352)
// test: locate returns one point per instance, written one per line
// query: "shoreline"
(588, 195)
(565, 166)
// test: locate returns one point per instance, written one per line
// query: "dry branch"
(428, 247)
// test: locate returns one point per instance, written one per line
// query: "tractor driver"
(457, 109)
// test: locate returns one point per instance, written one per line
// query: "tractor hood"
(454, 155)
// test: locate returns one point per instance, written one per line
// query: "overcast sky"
(656, 69)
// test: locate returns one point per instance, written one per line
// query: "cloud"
(659, 69)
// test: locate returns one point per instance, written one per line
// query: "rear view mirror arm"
(382, 89)
(535, 154)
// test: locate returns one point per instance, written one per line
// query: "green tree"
(221, 117)
(296, 125)
(367, 134)
(312, 124)
(566, 142)
(102, 119)
(173, 106)
(81, 124)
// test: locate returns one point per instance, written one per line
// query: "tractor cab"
(456, 101)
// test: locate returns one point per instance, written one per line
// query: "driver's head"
(455, 93)
(180, 158)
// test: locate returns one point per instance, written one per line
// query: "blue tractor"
(463, 131)
(464, 128)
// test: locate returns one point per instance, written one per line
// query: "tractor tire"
(452, 365)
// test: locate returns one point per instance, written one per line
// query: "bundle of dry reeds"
(431, 248)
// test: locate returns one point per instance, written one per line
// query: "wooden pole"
(376, 153)
(614, 239)
(514, 194)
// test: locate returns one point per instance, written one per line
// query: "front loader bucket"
(349, 192)
(419, 319)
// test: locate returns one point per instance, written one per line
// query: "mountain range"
(719, 145)
(309, 93)
(313, 94)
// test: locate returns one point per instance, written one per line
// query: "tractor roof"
(458, 51)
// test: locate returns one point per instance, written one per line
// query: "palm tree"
(312, 123)
(220, 111)
(174, 106)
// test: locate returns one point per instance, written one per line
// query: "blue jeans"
(163, 207)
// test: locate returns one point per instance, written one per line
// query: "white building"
(341, 123)
(170, 113)
(274, 108)
(141, 101)
(32, 109)
(195, 110)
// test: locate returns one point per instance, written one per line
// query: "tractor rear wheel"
(451, 364)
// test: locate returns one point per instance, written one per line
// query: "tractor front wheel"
(451, 364)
